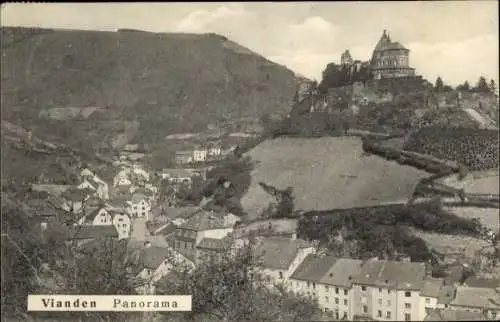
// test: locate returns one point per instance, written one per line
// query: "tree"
(464, 87)
(439, 86)
(231, 290)
(493, 86)
(482, 85)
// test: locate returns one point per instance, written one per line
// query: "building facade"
(390, 59)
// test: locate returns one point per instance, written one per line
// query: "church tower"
(346, 58)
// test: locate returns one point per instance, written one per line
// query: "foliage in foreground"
(227, 291)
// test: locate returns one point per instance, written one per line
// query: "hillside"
(138, 86)
(327, 173)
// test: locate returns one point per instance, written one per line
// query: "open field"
(327, 173)
(488, 216)
(451, 244)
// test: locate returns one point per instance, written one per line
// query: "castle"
(389, 59)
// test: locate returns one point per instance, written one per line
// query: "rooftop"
(314, 268)
(432, 287)
(453, 315)
(341, 273)
(477, 297)
(482, 282)
(217, 244)
(204, 220)
(89, 232)
(278, 252)
(153, 256)
(391, 274)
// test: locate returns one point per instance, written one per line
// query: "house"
(41, 210)
(122, 223)
(122, 177)
(139, 206)
(191, 231)
(436, 294)
(86, 173)
(200, 154)
(98, 217)
(85, 233)
(139, 172)
(156, 263)
(453, 315)
(483, 300)
(183, 157)
(389, 290)
(213, 249)
(74, 198)
(329, 280)
(276, 258)
(214, 151)
(177, 176)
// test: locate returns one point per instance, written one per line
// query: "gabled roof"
(477, 297)
(75, 194)
(313, 268)
(40, 208)
(118, 202)
(89, 232)
(153, 256)
(187, 253)
(394, 46)
(138, 197)
(446, 294)
(215, 243)
(432, 287)
(453, 315)
(204, 220)
(178, 173)
(278, 252)
(340, 274)
(391, 274)
(91, 216)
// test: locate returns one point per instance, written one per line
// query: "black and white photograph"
(250, 161)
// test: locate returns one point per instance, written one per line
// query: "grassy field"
(327, 173)
(488, 216)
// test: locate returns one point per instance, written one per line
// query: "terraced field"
(488, 216)
(327, 173)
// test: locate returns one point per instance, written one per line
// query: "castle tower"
(346, 58)
(390, 59)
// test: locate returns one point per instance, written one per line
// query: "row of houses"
(344, 287)
(202, 154)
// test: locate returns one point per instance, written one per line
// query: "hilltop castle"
(389, 59)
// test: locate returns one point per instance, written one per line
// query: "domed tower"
(390, 59)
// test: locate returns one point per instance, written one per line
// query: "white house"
(122, 177)
(140, 206)
(98, 217)
(177, 176)
(122, 222)
(139, 171)
(435, 294)
(278, 257)
(73, 199)
(478, 299)
(200, 155)
(157, 262)
(86, 173)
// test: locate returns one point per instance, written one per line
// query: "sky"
(457, 40)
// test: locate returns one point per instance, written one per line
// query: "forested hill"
(140, 85)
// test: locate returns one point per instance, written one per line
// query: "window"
(380, 290)
(427, 300)
(365, 309)
(388, 302)
(407, 294)
(407, 305)
(388, 291)
(281, 275)
(345, 292)
(314, 285)
(379, 313)
(326, 309)
(363, 288)
(326, 288)
(345, 302)
(336, 290)
(407, 317)
(345, 316)
(388, 315)
(336, 300)
(379, 301)
(337, 314)
(308, 284)
(326, 299)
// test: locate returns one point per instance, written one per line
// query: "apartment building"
(389, 291)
